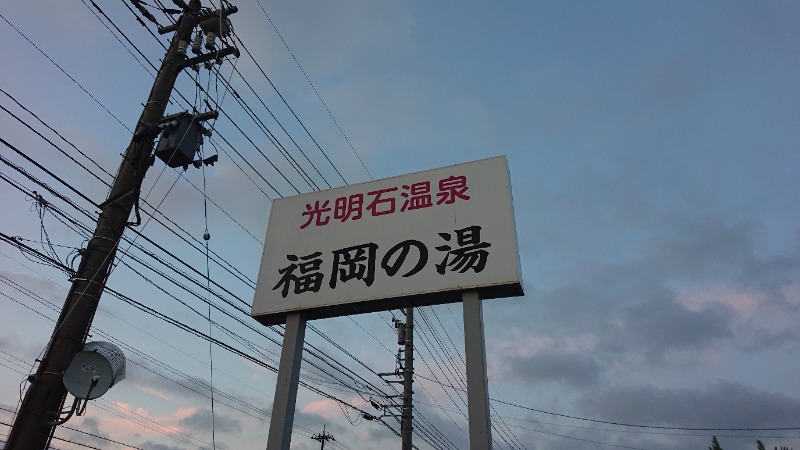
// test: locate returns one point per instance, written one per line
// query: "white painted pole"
(480, 426)
(280, 425)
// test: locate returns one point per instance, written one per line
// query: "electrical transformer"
(181, 137)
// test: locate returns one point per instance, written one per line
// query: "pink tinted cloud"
(524, 345)
(521, 345)
(744, 304)
(163, 395)
(183, 413)
(764, 315)
(328, 408)
(127, 407)
(156, 425)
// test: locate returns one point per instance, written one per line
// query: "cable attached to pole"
(206, 238)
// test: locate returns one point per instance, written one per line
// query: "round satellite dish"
(93, 371)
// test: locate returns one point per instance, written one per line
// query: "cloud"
(147, 377)
(158, 393)
(661, 325)
(149, 445)
(201, 420)
(692, 279)
(744, 304)
(330, 409)
(722, 404)
(531, 359)
(612, 312)
(576, 370)
(129, 420)
(760, 318)
(677, 303)
(324, 408)
(90, 426)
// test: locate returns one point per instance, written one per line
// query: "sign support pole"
(280, 425)
(480, 428)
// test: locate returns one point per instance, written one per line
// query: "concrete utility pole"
(406, 426)
(322, 438)
(405, 337)
(40, 410)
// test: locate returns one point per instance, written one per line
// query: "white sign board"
(391, 243)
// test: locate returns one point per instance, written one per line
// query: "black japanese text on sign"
(358, 262)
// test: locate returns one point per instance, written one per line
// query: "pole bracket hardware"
(115, 199)
(225, 12)
(207, 57)
(148, 131)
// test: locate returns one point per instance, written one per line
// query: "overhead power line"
(57, 134)
(187, 328)
(623, 424)
(315, 90)
(244, 47)
(320, 175)
(86, 230)
(125, 36)
(183, 326)
(63, 71)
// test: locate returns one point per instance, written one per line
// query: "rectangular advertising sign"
(411, 240)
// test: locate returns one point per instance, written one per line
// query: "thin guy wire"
(206, 237)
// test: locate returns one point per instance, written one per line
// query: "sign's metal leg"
(480, 426)
(280, 425)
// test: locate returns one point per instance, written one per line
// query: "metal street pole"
(36, 420)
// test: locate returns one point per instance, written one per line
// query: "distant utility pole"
(322, 438)
(406, 426)
(405, 338)
(41, 408)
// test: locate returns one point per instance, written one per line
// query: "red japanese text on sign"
(345, 207)
(381, 205)
(384, 201)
